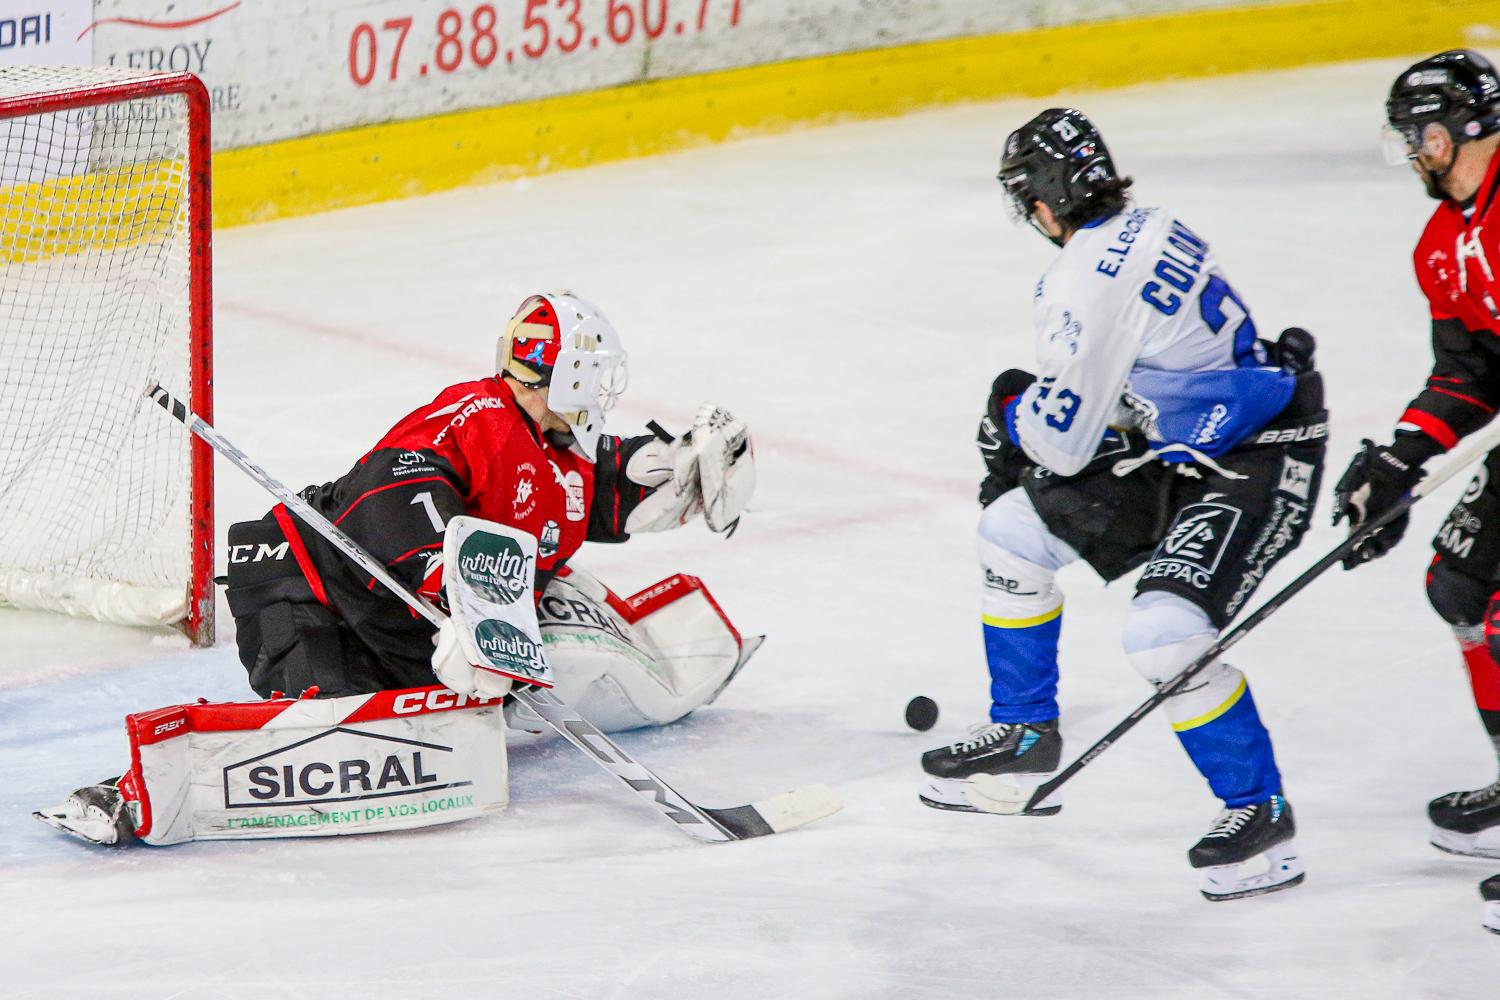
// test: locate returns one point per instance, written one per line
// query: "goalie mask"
(565, 344)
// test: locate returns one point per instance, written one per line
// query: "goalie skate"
(1249, 851)
(994, 770)
(98, 814)
(1467, 823)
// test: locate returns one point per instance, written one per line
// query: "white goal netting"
(96, 262)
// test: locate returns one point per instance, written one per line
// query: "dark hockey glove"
(1005, 463)
(1374, 483)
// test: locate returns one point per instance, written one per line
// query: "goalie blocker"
(416, 757)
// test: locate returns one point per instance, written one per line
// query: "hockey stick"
(776, 814)
(1010, 798)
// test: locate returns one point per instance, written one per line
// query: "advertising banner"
(279, 69)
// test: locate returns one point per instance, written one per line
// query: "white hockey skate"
(1249, 851)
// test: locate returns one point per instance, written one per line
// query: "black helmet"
(1058, 158)
(1457, 89)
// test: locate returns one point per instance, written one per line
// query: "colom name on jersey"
(1177, 269)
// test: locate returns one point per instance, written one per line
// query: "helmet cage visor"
(1018, 196)
(590, 375)
(1403, 142)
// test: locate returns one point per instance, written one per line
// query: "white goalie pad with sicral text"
(314, 767)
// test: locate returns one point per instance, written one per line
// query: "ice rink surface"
(850, 291)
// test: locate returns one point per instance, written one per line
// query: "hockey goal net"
(105, 503)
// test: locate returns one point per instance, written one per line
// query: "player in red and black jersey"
(523, 447)
(1443, 117)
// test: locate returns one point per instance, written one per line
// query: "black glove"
(1295, 350)
(1004, 461)
(1374, 483)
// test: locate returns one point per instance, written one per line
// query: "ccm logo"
(167, 727)
(434, 701)
(1310, 432)
(257, 553)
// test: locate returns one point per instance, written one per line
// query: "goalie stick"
(776, 814)
(1010, 798)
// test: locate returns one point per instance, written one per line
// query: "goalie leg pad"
(314, 766)
(646, 660)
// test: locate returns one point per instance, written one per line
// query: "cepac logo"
(508, 648)
(340, 765)
(495, 567)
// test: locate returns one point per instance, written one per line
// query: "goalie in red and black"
(523, 447)
(1443, 118)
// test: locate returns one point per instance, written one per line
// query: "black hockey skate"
(1467, 823)
(1489, 891)
(1244, 834)
(1025, 753)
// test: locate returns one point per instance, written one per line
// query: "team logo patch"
(495, 567)
(1194, 545)
(524, 502)
(1296, 478)
(508, 648)
(573, 484)
(548, 541)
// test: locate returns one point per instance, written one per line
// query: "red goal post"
(106, 506)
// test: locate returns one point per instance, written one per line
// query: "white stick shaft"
(1478, 445)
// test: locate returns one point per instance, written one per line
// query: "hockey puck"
(921, 713)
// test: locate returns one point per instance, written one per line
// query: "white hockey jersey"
(1136, 325)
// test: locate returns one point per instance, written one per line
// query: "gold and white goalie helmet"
(564, 343)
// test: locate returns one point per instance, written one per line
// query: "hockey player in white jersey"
(1158, 430)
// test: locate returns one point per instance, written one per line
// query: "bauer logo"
(495, 567)
(340, 765)
(508, 648)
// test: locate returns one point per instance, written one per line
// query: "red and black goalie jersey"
(472, 450)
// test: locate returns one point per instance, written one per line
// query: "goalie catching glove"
(709, 470)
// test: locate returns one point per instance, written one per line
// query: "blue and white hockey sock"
(1022, 623)
(1215, 717)
(1227, 743)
